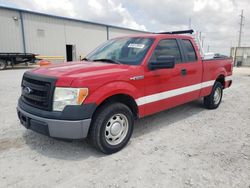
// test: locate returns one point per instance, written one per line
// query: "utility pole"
(241, 25)
(189, 23)
(239, 41)
(208, 48)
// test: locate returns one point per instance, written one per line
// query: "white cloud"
(114, 12)
(56, 6)
(217, 19)
(95, 6)
(127, 19)
(199, 5)
(103, 11)
(217, 5)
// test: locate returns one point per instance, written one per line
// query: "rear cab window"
(189, 50)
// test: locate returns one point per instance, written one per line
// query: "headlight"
(68, 96)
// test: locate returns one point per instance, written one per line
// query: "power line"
(241, 25)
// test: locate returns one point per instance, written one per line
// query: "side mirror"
(162, 62)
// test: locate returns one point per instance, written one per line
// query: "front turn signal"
(83, 93)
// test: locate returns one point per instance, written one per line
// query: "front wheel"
(213, 100)
(111, 128)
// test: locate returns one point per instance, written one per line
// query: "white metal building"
(241, 56)
(48, 35)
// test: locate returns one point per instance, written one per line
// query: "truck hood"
(67, 72)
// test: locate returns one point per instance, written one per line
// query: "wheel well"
(221, 79)
(122, 98)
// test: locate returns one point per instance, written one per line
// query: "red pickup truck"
(123, 79)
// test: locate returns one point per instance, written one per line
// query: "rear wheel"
(111, 128)
(3, 64)
(213, 100)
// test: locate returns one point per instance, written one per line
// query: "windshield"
(129, 51)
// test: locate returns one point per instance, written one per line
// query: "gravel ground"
(187, 146)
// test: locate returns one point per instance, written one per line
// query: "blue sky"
(218, 20)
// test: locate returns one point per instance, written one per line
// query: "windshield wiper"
(108, 60)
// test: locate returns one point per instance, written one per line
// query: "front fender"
(114, 88)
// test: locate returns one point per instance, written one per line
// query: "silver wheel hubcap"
(217, 96)
(116, 129)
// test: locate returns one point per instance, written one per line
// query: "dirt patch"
(6, 144)
(187, 146)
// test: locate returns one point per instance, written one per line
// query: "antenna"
(189, 23)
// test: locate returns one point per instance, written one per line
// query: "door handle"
(183, 72)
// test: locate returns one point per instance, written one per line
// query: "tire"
(213, 100)
(3, 64)
(111, 128)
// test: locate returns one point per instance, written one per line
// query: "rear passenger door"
(166, 88)
(190, 70)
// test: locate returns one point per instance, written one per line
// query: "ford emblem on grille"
(27, 90)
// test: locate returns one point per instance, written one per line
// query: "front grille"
(37, 90)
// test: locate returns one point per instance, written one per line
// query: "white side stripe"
(207, 84)
(171, 93)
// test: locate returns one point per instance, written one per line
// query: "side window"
(167, 47)
(189, 50)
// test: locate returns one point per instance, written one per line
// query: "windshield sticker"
(133, 45)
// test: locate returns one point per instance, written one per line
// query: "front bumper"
(58, 128)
